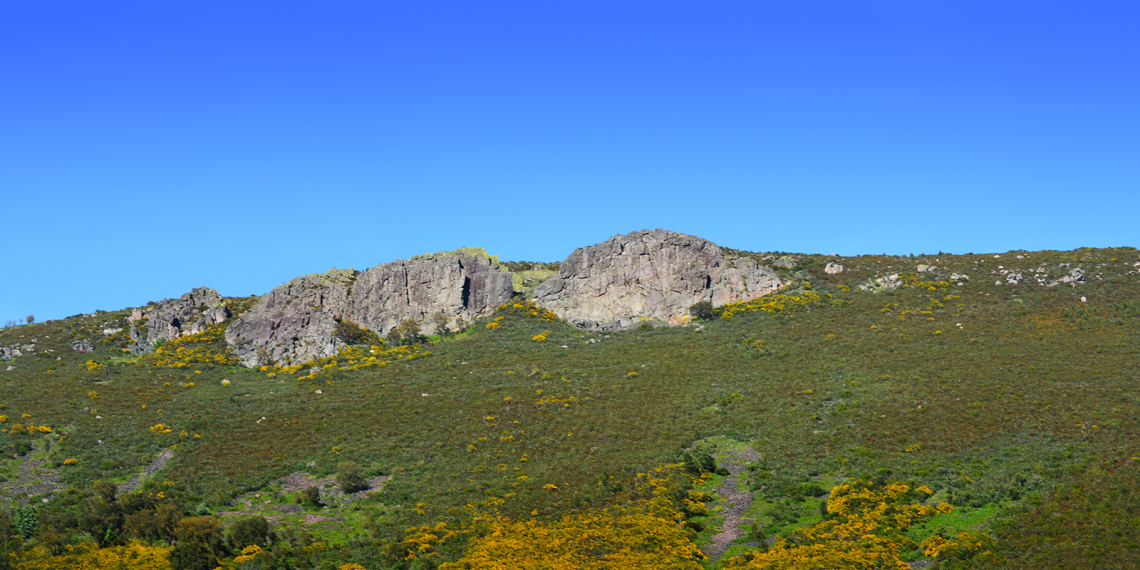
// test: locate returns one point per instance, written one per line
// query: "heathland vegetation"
(886, 414)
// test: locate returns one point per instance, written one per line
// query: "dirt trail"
(151, 468)
(737, 502)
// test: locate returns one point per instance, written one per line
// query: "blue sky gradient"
(147, 148)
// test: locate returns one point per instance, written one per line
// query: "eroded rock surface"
(654, 275)
(464, 283)
(296, 322)
(170, 318)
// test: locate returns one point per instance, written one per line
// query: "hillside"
(556, 404)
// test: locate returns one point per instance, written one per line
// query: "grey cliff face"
(465, 283)
(295, 321)
(649, 275)
(191, 313)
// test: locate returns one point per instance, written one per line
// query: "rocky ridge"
(296, 321)
(170, 318)
(649, 275)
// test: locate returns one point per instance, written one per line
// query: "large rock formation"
(296, 322)
(649, 275)
(170, 318)
(464, 283)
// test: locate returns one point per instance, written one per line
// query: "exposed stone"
(922, 268)
(82, 345)
(295, 321)
(1013, 278)
(464, 283)
(1075, 276)
(649, 275)
(786, 262)
(833, 269)
(15, 350)
(170, 318)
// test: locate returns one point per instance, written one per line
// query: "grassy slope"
(1032, 400)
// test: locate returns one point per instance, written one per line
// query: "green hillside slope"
(1017, 404)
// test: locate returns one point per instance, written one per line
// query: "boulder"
(649, 275)
(15, 350)
(833, 269)
(191, 313)
(82, 345)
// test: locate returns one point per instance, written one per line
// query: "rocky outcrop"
(170, 318)
(296, 322)
(464, 283)
(82, 345)
(16, 350)
(649, 275)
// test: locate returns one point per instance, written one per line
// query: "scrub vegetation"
(880, 416)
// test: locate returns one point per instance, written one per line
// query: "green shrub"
(351, 333)
(349, 477)
(27, 521)
(311, 496)
(249, 530)
(702, 311)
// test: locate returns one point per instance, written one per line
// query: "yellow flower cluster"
(642, 535)
(776, 303)
(865, 530)
(161, 428)
(526, 309)
(30, 429)
(188, 350)
(965, 545)
(87, 556)
(350, 358)
(94, 366)
(551, 400)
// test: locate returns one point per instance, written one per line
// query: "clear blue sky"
(150, 147)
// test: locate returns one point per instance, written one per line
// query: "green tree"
(440, 321)
(349, 478)
(250, 530)
(409, 331)
(702, 311)
(26, 521)
(200, 545)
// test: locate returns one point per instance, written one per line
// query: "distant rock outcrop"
(465, 283)
(170, 318)
(296, 321)
(649, 275)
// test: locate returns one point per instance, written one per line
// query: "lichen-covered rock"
(465, 283)
(170, 318)
(294, 322)
(649, 275)
(82, 345)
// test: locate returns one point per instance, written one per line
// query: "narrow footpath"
(736, 503)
